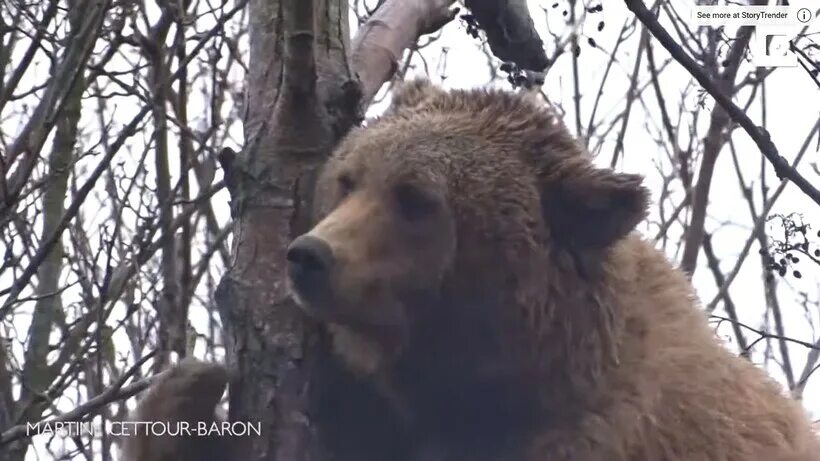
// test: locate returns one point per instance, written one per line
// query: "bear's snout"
(310, 260)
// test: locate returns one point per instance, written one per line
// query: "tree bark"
(302, 96)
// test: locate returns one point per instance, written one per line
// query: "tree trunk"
(288, 133)
(37, 374)
(302, 97)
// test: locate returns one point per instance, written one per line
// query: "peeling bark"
(381, 40)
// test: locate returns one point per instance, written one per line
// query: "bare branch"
(759, 222)
(760, 136)
(728, 304)
(510, 32)
(11, 84)
(394, 27)
(764, 334)
(631, 95)
(112, 394)
(810, 367)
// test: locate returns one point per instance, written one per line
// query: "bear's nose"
(309, 262)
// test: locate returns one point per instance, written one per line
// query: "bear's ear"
(414, 94)
(591, 208)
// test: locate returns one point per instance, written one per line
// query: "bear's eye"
(346, 185)
(414, 203)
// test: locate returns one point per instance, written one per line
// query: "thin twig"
(764, 334)
(112, 394)
(760, 136)
(759, 222)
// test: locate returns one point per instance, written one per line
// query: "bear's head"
(447, 230)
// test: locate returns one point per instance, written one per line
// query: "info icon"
(804, 15)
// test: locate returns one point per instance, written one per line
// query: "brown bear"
(183, 397)
(488, 300)
(483, 276)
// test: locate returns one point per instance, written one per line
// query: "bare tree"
(119, 251)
